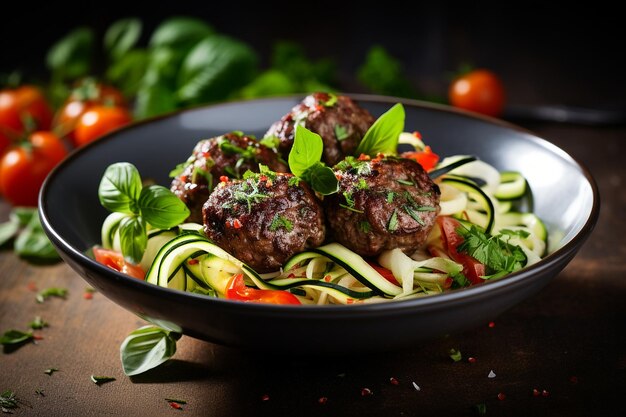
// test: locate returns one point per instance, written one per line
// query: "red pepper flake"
(319, 108)
(350, 301)
(265, 397)
(501, 396)
(366, 392)
(535, 392)
(263, 177)
(322, 400)
(37, 337)
(573, 379)
(394, 381)
(223, 178)
(338, 176)
(417, 135)
(32, 286)
(184, 178)
(193, 261)
(492, 324)
(327, 278)
(88, 296)
(545, 393)
(471, 359)
(237, 224)
(363, 157)
(175, 405)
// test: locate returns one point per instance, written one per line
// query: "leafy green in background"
(29, 240)
(383, 74)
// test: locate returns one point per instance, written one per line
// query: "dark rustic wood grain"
(568, 340)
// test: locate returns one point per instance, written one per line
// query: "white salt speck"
(417, 387)
(491, 374)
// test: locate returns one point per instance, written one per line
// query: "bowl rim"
(460, 295)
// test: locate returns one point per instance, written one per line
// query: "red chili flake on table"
(37, 337)
(501, 396)
(535, 392)
(573, 379)
(237, 224)
(366, 392)
(32, 286)
(223, 178)
(88, 295)
(175, 405)
(322, 400)
(394, 381)
(545, 393)
(492, 324)
(471, 359)
(265, 397)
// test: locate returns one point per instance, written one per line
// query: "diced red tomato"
(237, 290)
(426, 158)
(387, 274)
(115, 260)
(472, 268)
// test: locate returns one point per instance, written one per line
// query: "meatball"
(231, 155)
(382, 204)
(337, 119)
(264, 219)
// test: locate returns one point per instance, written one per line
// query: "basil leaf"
(22, 215)
(15, 337)
(121, 36)
(322, 179)
(133, 238)
(179, 33)
(51, 292)
(154, 100)
(128, 71)
(272, 82)
(7, 231)
(215, 67)
(382, 136)
(147, 348)
(33, 243)
(383, 74)
(161, 208)
(306, 151)
(120, 188)
(70, 57)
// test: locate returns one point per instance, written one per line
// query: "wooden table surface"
(568, 342)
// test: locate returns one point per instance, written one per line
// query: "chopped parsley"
(8, 401)
(51, 292)
(270, 141)
(365, 226)
(362, 184)
(341, 132)
(279, 222)
(332, 99)
(349, 198)
(351, 163)
(392, 226)
(38, 323)
(405, 182)
(455, 355)
(202, 173)
(247, 193)
(293, 181)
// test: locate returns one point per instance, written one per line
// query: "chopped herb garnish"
(202, 173)
(38, 323)
(332, 99)
(390, 196)
(351, 208)
(481, 409)
(8, 401)
(411, 212)
(293, 181)
(15, 337)
(51, 292)
(455, 355)
(349, 198)
(405, 182)
(393, 221)
(365, 226)
(40, 392)
(231, 172)
(178, 169)
(281, 222)
(248, 193)
(270, 141)
(174, 400)
(99, 380)
(352, 163)
(341, 132)
(50, 371)
(362, 184)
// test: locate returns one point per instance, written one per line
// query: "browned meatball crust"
(264, 219)
(382, 204)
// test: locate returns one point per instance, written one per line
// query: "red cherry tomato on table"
(98, 121)
(115, 260)
(237, 290)
(16, 106)
(87, 95)
(24, 167)
(479, 91)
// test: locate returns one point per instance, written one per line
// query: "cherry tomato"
(479, 91)
(115, 260)
(87, 95)
(385, 273)
(98, 121)
(18, 105)
(23, 168)
(472, 269)
(426, 158)
(237, 290)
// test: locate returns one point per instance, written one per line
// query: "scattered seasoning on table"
(265, 397)
(40, 392)
(481, 409)
(175, 405)
(322, 400)
(455, 355)
(88, 296)
(50, 371)
(544, 393)
(99, 380)
(501, 396)
(366, 392)
(8, 401)
(37, 337)
(417, 387)
(535, 392)
(471, 359)
(491, 374)
(175, 400)
(492, 324)
(15, 338)
(38, 323)
(31, 286)
(51, 292)
(573, 379)
(394, 381)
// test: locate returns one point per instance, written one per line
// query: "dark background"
(545, 53)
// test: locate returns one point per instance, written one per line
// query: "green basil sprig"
(382, 136)
(147, 348)
(121, 191)
(304, 161)
(30, 241)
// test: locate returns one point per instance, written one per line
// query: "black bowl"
(566, 197)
